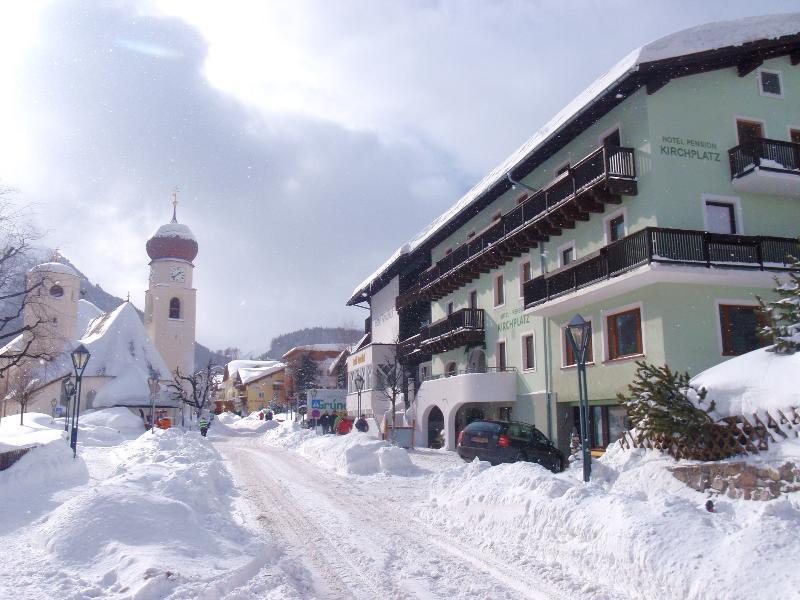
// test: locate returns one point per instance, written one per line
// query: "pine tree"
(784, 314)
(662, 405)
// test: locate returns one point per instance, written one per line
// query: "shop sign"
(512, 319)
(689, 148)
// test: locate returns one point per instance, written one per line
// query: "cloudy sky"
(308, 139)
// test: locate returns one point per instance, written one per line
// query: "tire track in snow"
(339, 529)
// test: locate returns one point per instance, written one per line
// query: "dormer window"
(175, 308)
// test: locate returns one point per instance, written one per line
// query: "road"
(360, 539)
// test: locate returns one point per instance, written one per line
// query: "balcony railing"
(544, 213)
(477, 370)
(462, 327)
(769, 155)
(673, 246)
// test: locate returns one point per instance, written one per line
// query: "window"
(450, 370)
(174, 309)
(720, 217)
(56, 291)
(448, 251)
(424, 373)
(473, 299)
(501, 356)
(449, 308)
(566, 254)
(612, 139)
(794, 136)
(569, 355)
(524, 275)
(562, 169)
(624, 334)
(748, 131)
(499, 291)
(528, 358)
(769, 83)
(616, 228)
(739, 326)
(496, 216)
(504, 413)
(522, 199)
(470, 235)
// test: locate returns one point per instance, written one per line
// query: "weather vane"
(175, 204)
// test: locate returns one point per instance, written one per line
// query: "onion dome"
(173, 240)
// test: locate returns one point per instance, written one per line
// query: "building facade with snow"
(249, 385)
(657, 205)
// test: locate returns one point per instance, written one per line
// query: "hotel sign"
(689, 148)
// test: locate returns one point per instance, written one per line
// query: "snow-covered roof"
(757, 381)
(174, 230)
(14, 346)
(87, 312)
(702, 38)
(54, 267)
(317, 348)
(250, 375)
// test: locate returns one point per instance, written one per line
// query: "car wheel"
(520, 457)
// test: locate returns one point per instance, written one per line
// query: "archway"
(477, 361)
(451, 369)
(466, 414)
(435, 427)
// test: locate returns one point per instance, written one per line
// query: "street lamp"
(578, 333)
(359, 381)
(152, 383)
(69, 390)
(80, 357)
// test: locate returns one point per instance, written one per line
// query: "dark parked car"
(508, 441)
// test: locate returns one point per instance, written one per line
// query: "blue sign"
(316, 404)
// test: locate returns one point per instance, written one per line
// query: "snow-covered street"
(360, 539)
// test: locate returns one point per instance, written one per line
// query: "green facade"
(681, 135)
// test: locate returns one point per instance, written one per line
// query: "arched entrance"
(435, 427)
(451, 369)
(477, 361)
(467, 414)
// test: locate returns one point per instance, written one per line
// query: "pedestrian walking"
(325, 422)
(204, 424)
(336, 421)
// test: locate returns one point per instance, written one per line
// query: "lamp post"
(80, 357)
(359, 381)
(578, 332)
(69, 390)
(152, 383)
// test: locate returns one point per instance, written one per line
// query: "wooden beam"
(589, 205)
(748, 66)
(656, 83)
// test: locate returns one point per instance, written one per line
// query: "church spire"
(175, 204)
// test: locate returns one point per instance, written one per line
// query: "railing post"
(759, 253)
(706, 251)
(648, 243)
(606, 167)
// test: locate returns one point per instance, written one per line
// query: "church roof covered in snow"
(173, 240)
(87, 312)
(676, 54)
(54, 267)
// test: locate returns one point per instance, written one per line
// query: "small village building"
(249, 385)
(322, 356)
(657, 205)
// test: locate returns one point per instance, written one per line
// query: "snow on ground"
(635, 528)
(136, 515)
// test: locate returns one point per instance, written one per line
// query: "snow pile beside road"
(354, 453)
(160, 521)
(633, 517)
(37, 429)
(109, 427)
(228, 417)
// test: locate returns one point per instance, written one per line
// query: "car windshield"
(484, 427)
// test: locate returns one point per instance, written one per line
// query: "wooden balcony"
(464, 326)
(766, 166)
(598, 179)
(659, 245)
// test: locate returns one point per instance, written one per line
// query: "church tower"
(51, 308)
(170, 301)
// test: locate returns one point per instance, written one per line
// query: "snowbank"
(753, 382)
(355, 453)
(634, 517)
(161, 520)
(37, 429)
